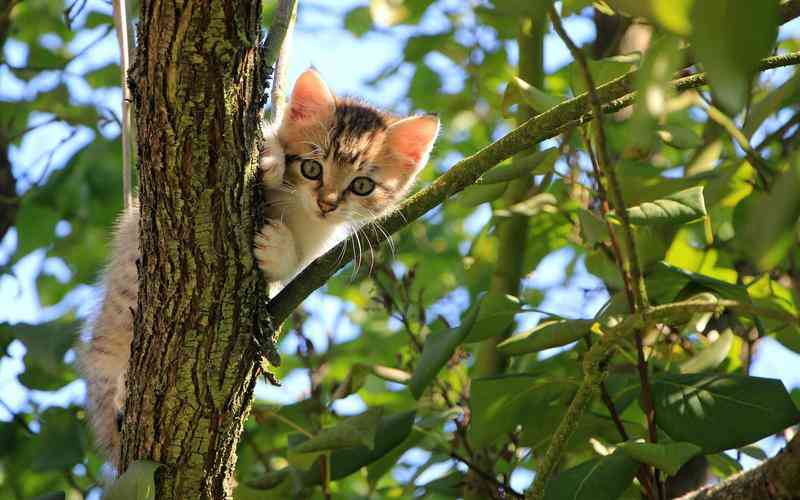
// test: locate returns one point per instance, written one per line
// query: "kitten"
(330, 166)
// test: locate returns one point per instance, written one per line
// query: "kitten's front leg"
(275, 251)
(271, 158)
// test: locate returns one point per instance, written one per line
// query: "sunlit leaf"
(439, 347)
(537, 163)
(499, 404)
(519, 91)
(692, 407)
(358, 21)
(668, 457)
(392, 430)
(497, 311)
(711, 356)
(604, 478)
(683, 206)
(545, 336)
(730, 59)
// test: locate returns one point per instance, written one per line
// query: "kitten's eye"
(362, 186)
(311, 169)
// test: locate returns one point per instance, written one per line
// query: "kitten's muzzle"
(326, 206)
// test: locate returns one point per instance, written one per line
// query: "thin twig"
(278, 92)
(485, 475)
(277, 51)
(779, 133)
(121, 26)
(758, 163)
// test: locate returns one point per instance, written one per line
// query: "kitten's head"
(348, 161)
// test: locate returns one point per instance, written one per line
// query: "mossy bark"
(197, 88)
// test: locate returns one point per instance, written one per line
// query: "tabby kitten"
(329, 167)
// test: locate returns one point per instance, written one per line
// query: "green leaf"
(417, 47)
(538, 203)
(35, 227)
(137, 483)
(729, 58)
(499, 404)
(668, 282)
(720, 412)
(352, 431)
(604, 478)
(358, 21)
(768, 244)
(384, 464)
(544, 336)
(679, 137)
(104, 76)
(425, 85)
(722, 465)
(593, 229)
(603, 71)
(770, 104)
(754, 452)
(45, 344)
(668, 457)
(569, 7)
(438, 348)
(678, 208)
(654, 91)
(530, 8)
(59, 444)
(270, 480)
(95, 19)
(391, 432)
(675, 15)
(479, 194)
(497, 311)
(519, 91)
(710, 357)
(537, 163)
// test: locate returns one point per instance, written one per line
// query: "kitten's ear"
(311, 101)
(411, 139)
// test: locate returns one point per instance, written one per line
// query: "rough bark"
(776, 479)
(197, 87)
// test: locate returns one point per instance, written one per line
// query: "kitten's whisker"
(360, 254)
(373, 220)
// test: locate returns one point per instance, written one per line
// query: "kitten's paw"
(275, 252)
(271, 160)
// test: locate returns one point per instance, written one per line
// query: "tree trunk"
(197, 86)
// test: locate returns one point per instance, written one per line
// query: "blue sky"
(345, 62)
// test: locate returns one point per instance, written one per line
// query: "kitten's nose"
(326, 206)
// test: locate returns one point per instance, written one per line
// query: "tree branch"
(275, 53)
(616, 94)
(119, 9)
(777, 479)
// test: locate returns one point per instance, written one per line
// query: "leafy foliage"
(400, 338)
